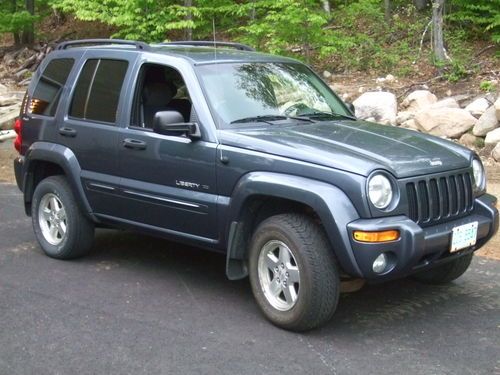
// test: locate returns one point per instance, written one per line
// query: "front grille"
(433, 200)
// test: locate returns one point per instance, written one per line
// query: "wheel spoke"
(53, 205)
(284, 255)
(61, 227)
(53, 230)
(271, 261)
(46, 214)
(62, 214)
(290, 294)
(275, 288)
(293, 274)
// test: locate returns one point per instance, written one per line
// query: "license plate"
(463, 236)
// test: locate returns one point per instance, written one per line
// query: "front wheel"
(446, 272)
(293, 272)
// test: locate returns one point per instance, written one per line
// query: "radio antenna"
(215, 44)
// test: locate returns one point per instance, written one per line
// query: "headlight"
(380, 191)
(479, 177)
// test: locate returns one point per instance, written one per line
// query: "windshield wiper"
(318, 114)
(268, 118)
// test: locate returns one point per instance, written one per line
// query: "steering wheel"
(299, 108)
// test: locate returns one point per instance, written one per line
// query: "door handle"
(134, 144)
(67, 132)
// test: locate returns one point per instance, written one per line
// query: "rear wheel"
(61, 229)
(293, 272)
(446, 272)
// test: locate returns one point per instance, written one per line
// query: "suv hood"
(356, 146)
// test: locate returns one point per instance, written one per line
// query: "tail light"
(18, 127)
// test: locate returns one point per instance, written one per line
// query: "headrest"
(158, 94)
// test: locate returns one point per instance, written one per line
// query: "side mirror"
(172, 123)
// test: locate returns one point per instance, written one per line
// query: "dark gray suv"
(249, 154)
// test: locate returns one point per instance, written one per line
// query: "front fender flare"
(329, 202)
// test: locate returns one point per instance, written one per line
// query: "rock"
(448, 92)
(478, 107)
(361, 90)
(492, 137)
(9, 100)
(486, 123)
(404, 116)
(382, 106)
(495, 154)
(486, 151)
(448, 122)
(410, 124)
(469, 140)
(497, 108)
(445, 103)
(7, 134)
(327, 74)
(3, 89)
(419, 100)
(7, 118)
(390, 78)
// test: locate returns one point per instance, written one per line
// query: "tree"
(28, 36)
(16, 19)
(437, 31)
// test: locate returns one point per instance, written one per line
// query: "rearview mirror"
(172, 123)
(351, 107)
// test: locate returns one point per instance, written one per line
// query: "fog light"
(380, 263)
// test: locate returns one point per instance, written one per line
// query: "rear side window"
(48, 91)
(97, 91)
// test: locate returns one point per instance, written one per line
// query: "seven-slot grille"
(435, 199)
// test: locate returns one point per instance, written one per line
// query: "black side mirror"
(351, 107)
(172, 123)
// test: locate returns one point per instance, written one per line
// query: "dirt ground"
(491, 250)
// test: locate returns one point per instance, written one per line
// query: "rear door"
(89, 126)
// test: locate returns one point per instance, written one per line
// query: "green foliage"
(478, 15)
(13, 17)
(487, 86)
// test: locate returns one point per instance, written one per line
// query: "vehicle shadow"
(389, 306)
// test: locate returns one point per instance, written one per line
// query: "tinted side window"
(97, 91)
(50, 86)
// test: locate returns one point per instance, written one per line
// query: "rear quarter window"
(48, 90)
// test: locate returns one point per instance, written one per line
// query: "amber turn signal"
(383, 236)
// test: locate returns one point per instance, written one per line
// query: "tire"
(62, 230)
(311, 272)
(445, 273)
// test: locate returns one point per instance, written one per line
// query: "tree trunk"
(28, 36)
(326, 6)
(188, 34)
(420, 4)
(15, 34)
(437, 30)
(387, 10)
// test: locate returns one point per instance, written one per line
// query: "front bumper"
(419, 248)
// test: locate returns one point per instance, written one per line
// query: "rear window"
(97, 91)
(45, 98)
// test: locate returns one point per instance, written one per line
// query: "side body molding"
(329, 202)
(64, 158)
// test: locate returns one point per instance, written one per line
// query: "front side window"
(98, 89)
(48, 91)
(249, 90)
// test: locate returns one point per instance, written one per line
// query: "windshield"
(248, 92)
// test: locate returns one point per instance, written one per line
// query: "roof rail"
(82, 42)
(208, 43)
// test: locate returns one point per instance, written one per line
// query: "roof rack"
(82, 42)
(208, 43)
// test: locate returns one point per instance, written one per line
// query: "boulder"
(8, 100)
(478, 107)
(418, 100)
(445, 103)
(486, 123)
(326, 74)
(497, 108)
(382, 106)
(469, 140)
(495, 154)
(410, 124)
(7, 118)
(404, 116)
(492, 137)
(448, 122)
(3, 89)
